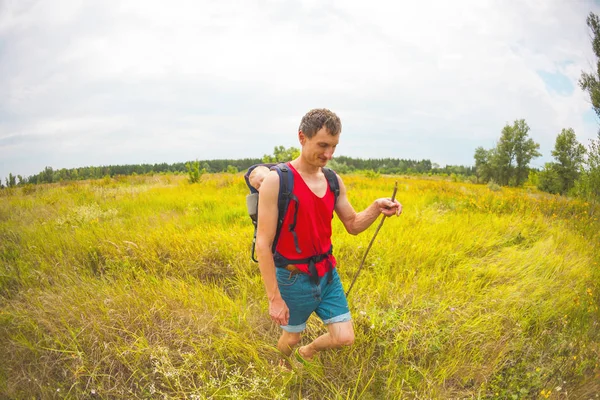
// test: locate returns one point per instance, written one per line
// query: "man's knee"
(342, 334)
(344, 339)
(291, 339)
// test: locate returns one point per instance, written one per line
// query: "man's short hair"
(318, 118)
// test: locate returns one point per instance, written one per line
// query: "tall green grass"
(142, 287)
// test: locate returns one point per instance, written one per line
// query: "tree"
(505, 156)
(483, 167)
(339, 167)
(569, 154)
(589, 183)
(281, 154)
(525, 150)
(590, 82)
(11, 181)
(194, 172)
(514, 152)
(47, 175)
(549, 179)
(508, 162)
(593, 164)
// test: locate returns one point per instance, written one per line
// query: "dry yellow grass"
(142, 287)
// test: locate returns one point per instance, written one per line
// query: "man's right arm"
(267, 227)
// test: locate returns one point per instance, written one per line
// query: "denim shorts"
(303, 297)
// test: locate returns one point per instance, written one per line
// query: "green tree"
(483, 166)
(339, 167)
(590, 82)
(593, 164)
(194, 172)
(48, 175)
(549, 179)
(514, 152)
(504, 159)
(281, 154)
(231, 169)
(569, 154)
(525, 151)
(533, 179)
(11, 181)
(589, 182)
(588, 185)
(508, 162)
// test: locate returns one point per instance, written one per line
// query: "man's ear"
(301, 138)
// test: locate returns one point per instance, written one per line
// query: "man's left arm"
(355, 222)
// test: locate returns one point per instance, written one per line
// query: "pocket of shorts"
(284, 279)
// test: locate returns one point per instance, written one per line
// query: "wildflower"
(373, 326)
(363, 313)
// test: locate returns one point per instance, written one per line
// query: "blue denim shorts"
(303, 297)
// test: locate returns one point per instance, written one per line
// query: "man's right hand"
(279, 311)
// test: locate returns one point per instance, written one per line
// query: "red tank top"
(313, 226)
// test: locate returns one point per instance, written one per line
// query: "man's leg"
(339, 334)
(288, 341)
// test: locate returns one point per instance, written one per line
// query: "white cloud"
(109, 84)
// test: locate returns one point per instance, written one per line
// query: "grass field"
(143, 287)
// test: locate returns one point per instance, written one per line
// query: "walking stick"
(371, 244)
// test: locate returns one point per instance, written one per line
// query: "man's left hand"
(388, 207)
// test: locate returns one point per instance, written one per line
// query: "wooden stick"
(362, 263)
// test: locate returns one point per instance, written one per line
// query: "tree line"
(50, 175)
(196, 168)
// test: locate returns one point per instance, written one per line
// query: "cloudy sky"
(96, 82)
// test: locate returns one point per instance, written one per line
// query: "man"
(297, 289)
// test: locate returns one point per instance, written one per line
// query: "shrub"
(493, 186)
(194, 171)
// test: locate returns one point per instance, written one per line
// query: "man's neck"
(305, 168)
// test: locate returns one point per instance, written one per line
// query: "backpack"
(286, 188)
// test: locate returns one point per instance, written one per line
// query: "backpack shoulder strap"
(333, 182)
(286, 188)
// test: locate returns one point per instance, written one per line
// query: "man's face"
(319, 149)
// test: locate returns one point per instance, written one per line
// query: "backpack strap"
(332, 180)
(286, 189)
